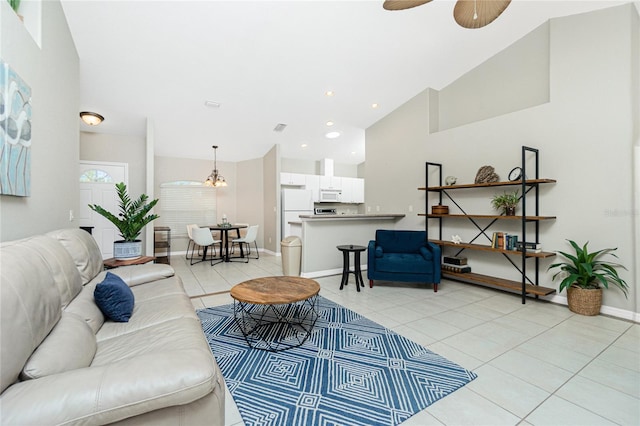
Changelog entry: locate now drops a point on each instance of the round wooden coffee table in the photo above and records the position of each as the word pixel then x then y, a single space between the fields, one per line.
pixel 276 313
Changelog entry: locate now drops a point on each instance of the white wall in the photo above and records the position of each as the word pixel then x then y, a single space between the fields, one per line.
pixel 585 134
pixel 52 72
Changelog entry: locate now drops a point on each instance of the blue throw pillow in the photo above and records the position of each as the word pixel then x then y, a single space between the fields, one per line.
pixel 114 298
pixel 379 251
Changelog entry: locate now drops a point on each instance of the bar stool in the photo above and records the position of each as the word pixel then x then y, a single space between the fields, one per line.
pixel 356 250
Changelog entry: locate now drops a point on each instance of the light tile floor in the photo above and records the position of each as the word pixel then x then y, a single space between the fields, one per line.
pixel 537 364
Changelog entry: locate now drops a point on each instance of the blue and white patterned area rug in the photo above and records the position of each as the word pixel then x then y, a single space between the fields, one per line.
pixel 351 371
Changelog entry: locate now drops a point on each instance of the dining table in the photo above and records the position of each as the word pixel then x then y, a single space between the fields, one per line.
pixel 224 230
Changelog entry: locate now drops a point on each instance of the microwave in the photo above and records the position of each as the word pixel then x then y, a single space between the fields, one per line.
pixel 329 196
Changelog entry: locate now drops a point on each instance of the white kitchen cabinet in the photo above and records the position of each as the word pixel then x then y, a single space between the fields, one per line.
pixel 352 190
pixel 330 182
pixel 293 179
pixel 312 182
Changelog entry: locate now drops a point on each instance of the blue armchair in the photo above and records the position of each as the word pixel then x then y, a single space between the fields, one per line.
pixel 404 256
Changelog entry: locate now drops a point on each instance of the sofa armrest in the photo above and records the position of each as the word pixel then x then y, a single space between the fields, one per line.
pixel 140 274
pixel 106 394
pixel 436 251
pixel 371 255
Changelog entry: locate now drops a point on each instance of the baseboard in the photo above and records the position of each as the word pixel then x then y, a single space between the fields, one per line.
pixel 327 272
pixel 606 310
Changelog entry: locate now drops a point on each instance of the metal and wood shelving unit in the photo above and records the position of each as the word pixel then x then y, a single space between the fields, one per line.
pixel 529 193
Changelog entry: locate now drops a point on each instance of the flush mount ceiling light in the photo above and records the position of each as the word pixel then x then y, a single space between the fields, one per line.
pixel 212 104
pixel 91 118
pixel 467 13
pixel 215 179
pixel 330 123
pixel 332 135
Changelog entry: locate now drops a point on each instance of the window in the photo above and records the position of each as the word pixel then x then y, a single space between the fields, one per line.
pixel 185 202
pixel 96 176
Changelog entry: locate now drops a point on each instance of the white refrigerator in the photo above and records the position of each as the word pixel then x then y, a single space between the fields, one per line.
pixel 294 203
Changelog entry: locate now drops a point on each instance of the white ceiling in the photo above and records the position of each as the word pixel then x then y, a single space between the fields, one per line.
pixel 270 62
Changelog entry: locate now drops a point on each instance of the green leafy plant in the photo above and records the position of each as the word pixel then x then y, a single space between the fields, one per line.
pixel 587 270
pixel 133 214
pixel 15 4
pixel 505 200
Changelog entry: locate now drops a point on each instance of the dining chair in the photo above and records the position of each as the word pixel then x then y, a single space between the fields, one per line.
pixel 250 237
pixel 203 238
pixel 189 228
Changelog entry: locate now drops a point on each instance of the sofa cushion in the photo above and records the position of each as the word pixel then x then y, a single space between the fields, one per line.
pixel 393 241
pixel 403 263
pixel 426 254
pixel 114 298
pixel 70 345
pixel 83 249
pixel 85 307
pixel 30 307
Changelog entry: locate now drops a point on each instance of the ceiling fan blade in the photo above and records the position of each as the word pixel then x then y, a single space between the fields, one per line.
pixel 478 13
pixel 402 4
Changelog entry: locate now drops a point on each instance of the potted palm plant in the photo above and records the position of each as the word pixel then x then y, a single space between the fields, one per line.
pixel 506 202
pixel 583 274
pixel 133 217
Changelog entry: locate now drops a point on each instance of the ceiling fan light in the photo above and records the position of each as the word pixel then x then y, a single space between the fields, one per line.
pixel 478 13
pixel 402 4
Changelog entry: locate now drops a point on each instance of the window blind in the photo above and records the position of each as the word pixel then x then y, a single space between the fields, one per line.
pixel 183 203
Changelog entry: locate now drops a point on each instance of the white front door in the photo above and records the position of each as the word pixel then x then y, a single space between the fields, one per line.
pixel 98 186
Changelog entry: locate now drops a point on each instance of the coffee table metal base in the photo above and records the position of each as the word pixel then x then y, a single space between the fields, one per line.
pixel 276 328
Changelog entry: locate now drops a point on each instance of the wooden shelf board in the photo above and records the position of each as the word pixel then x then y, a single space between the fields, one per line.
pixel 487 185
pixel 478 279
pixel 482 247
pixel 486 216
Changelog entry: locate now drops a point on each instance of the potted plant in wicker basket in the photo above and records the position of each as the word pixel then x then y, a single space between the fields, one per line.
pixel 584 274
pixel 130 222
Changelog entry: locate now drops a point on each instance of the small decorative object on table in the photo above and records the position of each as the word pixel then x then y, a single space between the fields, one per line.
pixel 456 239
pixel 450 180
pixel 486 174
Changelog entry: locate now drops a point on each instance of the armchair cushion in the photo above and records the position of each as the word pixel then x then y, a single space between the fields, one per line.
pixel 114 298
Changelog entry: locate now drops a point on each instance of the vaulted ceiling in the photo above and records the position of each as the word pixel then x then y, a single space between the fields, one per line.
pixel 271 62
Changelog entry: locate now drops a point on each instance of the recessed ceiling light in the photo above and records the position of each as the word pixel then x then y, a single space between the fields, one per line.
pixel 304 145
pixel 329 93
pixel 374 105
pixel 330 123
pixel 332 135
pixel 353 153
pixel 212 104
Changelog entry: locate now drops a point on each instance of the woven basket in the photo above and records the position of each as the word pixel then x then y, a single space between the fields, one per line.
pixel 584 301
pixel 438 209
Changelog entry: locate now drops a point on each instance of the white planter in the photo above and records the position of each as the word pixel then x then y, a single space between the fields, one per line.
pixel 127 249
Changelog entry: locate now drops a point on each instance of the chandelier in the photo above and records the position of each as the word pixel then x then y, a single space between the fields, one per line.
pixel 215 179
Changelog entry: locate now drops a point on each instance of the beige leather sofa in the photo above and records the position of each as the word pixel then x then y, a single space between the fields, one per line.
pixel 63 363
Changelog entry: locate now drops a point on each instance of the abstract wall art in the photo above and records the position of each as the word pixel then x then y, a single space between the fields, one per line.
pixel 15 133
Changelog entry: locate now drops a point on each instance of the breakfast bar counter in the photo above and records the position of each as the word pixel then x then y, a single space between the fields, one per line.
pixel 322 233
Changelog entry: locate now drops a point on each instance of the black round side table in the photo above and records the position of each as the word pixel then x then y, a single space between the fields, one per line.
pixel 356 250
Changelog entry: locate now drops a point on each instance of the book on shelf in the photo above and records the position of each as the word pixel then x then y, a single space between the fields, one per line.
pixel 532 247
pixel 456 268
pixel 504 241
pixel 455 260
